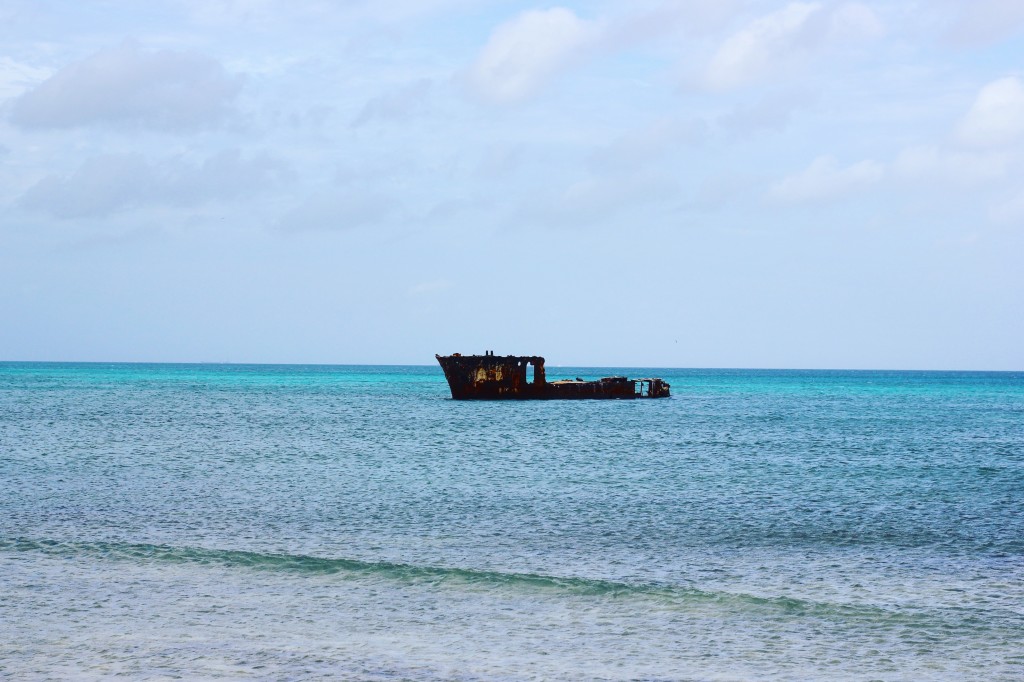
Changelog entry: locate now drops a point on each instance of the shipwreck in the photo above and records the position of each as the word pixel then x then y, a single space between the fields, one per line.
pixel 522 377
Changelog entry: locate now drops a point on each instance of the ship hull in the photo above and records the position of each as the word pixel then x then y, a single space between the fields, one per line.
pixel 516 377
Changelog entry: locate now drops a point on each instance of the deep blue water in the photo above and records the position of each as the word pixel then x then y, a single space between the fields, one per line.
pixel 209 521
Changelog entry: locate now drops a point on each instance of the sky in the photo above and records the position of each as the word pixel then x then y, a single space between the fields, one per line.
pixel 659 183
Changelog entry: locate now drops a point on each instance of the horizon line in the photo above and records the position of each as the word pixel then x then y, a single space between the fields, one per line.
pixel 368 364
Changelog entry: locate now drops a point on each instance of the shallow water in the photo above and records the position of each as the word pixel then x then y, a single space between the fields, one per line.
pixel 258 521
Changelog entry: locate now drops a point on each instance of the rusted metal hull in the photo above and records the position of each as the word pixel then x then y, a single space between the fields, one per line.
pixel 522 377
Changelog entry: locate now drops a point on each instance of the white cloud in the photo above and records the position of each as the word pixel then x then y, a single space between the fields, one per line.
pixel 932 163
pixel 826 179
pixel 775 40
pixel 129 86
pixel 753 50
pixel 111 182
pixel 16 77
pixel 997 115
pixel 526 52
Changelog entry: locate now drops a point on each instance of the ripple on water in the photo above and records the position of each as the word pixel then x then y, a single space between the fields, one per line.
pixel 209 521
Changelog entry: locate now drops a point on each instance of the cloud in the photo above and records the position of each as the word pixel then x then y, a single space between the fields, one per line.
pixel 986 21
pixel 129 86
pixel 396 104
pixel 111 182
pixel 985 135
pixel 100 186
pixel 997 115
pixel 774 40
pixel 826 179
pixel 523 54
pixel 526 53
pixel 933 163
pixel 17 77
pixel 753 50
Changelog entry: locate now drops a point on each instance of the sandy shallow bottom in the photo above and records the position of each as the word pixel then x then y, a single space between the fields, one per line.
pixel 165 618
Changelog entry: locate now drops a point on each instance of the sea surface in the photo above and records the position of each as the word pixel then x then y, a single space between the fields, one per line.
pixel 342 522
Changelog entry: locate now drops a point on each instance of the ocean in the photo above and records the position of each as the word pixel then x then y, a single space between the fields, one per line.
pixel 344 522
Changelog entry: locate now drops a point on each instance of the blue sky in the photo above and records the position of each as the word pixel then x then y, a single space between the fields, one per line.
pixel 690 183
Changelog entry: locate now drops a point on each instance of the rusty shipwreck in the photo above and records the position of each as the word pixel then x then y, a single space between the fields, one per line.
pixel 522 377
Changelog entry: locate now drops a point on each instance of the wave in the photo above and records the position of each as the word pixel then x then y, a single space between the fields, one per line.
pixel 665 595
pixel 299 563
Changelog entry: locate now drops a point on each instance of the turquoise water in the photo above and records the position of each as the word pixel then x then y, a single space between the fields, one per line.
pixel 216 521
